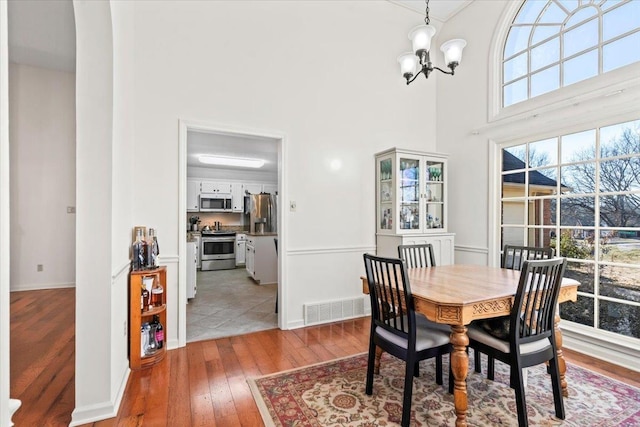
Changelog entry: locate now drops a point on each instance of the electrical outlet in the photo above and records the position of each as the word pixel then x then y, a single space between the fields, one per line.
pixel 292 206
pixel 40 267
pixel 71 209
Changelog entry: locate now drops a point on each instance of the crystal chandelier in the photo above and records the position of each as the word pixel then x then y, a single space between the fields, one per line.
pixel 420 37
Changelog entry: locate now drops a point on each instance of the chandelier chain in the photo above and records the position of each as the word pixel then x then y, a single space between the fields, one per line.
pixel 426 15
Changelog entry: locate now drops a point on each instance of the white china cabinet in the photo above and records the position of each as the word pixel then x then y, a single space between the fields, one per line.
pixel 411 202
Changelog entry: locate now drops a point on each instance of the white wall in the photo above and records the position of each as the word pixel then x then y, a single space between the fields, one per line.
pixel 122 196
pixel 42 149
pixel 462 107
pixel 300 69
pixel 4 220
pixel 98 303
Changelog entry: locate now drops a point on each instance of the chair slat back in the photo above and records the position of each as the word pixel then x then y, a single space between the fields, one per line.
pixel 533 312
pixel 417 256
pixel 391 300
pixel 513 257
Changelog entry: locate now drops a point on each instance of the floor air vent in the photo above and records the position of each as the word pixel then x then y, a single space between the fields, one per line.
pixel 333 310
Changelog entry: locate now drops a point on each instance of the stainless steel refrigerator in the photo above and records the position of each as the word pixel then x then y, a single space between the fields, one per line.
pixel 262 212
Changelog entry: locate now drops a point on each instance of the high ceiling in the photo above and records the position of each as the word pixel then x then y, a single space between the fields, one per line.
pixel 42 34
pixel 442 10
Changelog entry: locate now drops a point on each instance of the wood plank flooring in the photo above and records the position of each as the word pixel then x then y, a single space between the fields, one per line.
pixel 202 384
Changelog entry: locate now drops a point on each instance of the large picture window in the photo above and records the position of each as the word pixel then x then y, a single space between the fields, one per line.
pixel 556 43
pixel 580 193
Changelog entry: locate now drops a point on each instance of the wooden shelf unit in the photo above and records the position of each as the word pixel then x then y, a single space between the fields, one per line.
pixel 137 317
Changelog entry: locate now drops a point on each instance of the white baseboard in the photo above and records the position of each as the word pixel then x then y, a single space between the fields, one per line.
pixel 598 348
pixel 100 411
pixel 42 286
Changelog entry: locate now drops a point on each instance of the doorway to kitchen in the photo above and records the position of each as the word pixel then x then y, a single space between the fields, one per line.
pixel 231 181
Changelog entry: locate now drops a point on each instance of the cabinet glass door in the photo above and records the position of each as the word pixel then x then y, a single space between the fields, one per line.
pixel 385 177
pixel 409 193
pixel 434 194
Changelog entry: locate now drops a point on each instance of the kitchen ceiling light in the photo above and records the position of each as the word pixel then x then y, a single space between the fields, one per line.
pixel 231 161
pixel 421 40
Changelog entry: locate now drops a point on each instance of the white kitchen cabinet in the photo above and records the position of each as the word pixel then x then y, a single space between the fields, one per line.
pixel 251 188
pixel 270 188
pixel 237 198
pixel 261 259
pixel 193 195
pixel 198 239
pixel 215 187
pixel 411 202
pixel 241 249
pixel 192 286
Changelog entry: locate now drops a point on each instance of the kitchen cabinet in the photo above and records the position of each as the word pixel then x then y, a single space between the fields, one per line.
pixel 411 202
pixel 270 188
pixel 137 317
pixel 198 239
pixel 241 249
pixel 237 198
pixel 215 187
pixel 261 259
pixel 192 261
pixel 252 188
pixel 193 195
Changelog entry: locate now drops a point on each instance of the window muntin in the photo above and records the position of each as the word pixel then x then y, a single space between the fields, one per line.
pixel 556 43
pixel 580 193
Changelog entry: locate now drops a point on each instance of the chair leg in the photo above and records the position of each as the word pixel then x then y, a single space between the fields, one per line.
pixel 521 401
pixel 439 369
pixel 477 360
pixel 370 367
pixel 491 367
pixel 557 388
pixel 408 391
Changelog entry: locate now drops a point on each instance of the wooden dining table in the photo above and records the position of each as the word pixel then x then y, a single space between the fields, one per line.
pixel 458 294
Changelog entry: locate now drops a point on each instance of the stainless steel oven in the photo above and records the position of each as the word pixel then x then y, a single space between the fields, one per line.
pixel 218 251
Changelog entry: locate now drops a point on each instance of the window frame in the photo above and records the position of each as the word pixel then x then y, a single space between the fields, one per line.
pixel 591 90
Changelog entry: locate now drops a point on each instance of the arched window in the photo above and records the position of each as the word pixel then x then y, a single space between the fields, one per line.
pixel 556 43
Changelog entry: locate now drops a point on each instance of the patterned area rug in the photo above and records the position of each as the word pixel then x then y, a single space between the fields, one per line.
pixel 332 394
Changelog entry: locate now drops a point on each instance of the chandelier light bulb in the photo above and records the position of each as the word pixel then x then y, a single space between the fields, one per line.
pixel 452 50
pixel 421 36
pixel 408 62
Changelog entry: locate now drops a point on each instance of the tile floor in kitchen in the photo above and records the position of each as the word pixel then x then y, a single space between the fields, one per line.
pixel 229 302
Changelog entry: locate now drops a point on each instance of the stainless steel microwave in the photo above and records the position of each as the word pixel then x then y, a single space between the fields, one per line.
pixel 215 202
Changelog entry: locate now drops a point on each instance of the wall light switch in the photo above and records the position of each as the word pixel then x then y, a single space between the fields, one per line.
pixel 71 209
pixel 40 267
pixel 292 206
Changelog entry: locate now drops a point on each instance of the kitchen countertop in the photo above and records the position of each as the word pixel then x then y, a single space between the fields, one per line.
pixel 262 234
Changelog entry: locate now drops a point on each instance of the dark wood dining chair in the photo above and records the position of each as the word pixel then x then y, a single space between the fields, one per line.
pixel 397 329
pixel 530 338
pixel 513 257
pixel 417 256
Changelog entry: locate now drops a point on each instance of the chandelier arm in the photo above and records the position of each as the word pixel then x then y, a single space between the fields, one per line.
pixel 443 71
pixel 414 77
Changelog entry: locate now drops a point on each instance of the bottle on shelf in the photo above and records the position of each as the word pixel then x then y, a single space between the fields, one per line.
pixel 152 250
pixel 157 294
pixel 138 252
pixel 159 332
pixel 145 298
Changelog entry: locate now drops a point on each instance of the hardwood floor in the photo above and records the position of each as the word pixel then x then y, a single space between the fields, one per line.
pixel 202 384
